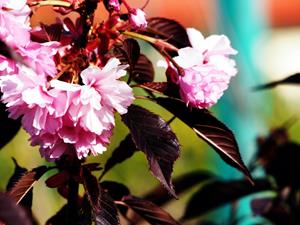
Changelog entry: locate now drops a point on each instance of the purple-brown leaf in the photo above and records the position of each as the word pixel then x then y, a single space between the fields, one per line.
pixel 128 52
pixel 293 79
pixel 260 206
pixel 58 180
pixel 103 206
pixel 149 211
pixel 159 196
pixel 91 187
pixel 158 87
pixel 18 173
pixel 210 129
pixel 164 88
pixel 26 182
pixel 143 70
pixel 116 190
pixel 107 213
pixel 12 214
pixel 62 217
pixel 140 67
pixel 169 30
pixel 155 138
pixel 217 193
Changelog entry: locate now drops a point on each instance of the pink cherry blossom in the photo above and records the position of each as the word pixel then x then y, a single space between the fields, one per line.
pixel 60 116
pixel 137 18
pixel 207 68
pixel 15 32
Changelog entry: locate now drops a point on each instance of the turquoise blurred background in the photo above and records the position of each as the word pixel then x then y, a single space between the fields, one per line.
pixel 269 49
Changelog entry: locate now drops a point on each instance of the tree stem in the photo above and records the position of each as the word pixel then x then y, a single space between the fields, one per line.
pixel 72 214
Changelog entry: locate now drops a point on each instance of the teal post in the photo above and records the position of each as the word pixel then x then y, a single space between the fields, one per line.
pixel 244 22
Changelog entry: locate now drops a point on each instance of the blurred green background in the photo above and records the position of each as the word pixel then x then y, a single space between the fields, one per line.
pixel 267 35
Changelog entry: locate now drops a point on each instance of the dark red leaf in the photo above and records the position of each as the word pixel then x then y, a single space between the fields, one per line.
pixel 260 206
pixel 267 146
pixel 103 207
pixel 53 31
pixel 63 191
pixel 208 223
pixel 107 213
pixel 293 79
pixel 155 138
pixel 159 87
pixel 217 193
pixel 128 52
pixel 281 214
pixel 284 165
pixel 124 151
pixel 91 187
pixel 149 211
pixel 116 190
pixel 26 182
pixel 9 127
pixel 169 30
pixel 62 217
pixel 18 173
pixel 210 129
pixel 159 196
pixel 58 179
pixel 143 70
pixel 47 33
pixel 140 67
pixel 73 28
pixel 12 214
pixel 93 166
pixel 164 88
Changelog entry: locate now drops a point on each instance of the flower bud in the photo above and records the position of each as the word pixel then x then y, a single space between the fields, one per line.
pixel 137 18
pixel 114 5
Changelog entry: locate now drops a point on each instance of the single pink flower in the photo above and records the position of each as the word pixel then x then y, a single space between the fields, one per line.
pixel 60 116
pixel 207 68
pixel 137 18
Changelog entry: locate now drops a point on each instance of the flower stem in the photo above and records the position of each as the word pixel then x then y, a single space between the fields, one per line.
pixel 52 3
pixel 179 69
pixel 157 42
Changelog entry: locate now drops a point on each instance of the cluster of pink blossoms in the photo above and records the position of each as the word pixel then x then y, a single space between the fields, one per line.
pixel 62 117
pixel 207 69
pixel 59 116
